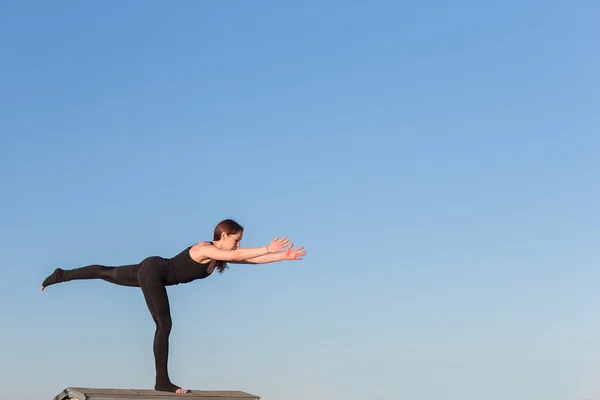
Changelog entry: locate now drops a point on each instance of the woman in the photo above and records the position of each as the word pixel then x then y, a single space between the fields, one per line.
pixel 199 261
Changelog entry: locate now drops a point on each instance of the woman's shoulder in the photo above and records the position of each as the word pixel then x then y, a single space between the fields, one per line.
pixel 201 244
pixel 196 250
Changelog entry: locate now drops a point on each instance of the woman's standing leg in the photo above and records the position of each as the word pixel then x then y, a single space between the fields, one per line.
pixel 155 294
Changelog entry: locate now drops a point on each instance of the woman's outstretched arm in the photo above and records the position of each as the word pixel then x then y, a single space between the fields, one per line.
pixel 213 252
pixel 286 254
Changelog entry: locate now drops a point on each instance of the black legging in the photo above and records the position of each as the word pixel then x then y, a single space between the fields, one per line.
pixel 151 281
pixel 149 276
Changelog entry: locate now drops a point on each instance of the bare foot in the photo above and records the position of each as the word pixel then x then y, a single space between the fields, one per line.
pixel 169 387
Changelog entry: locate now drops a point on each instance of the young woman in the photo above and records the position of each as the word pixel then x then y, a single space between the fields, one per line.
pixel 199 261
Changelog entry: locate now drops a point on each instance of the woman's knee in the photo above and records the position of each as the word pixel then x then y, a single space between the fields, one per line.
pixel 164 325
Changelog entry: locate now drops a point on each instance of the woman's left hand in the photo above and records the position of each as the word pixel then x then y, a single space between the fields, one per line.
pixel 294 254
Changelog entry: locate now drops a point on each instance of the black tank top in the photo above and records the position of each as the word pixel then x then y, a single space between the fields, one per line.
pixel 183 269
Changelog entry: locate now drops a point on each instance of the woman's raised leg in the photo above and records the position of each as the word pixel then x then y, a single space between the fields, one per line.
pixel 124 275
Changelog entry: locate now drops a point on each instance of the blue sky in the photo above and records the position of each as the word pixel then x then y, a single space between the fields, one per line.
pixel 438 162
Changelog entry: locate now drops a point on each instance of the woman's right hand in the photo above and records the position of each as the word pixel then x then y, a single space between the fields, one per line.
pixel 278 245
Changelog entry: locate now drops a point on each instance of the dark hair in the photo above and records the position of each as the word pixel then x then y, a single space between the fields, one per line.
pixel 229 227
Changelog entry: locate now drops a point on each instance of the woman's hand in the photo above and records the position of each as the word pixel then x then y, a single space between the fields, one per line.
pixel 294 254
pixel 278 245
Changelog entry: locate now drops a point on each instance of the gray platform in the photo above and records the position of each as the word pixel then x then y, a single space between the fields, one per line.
pixel 77 393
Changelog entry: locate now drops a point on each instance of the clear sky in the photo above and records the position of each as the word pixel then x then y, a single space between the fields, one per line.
pixel 438 161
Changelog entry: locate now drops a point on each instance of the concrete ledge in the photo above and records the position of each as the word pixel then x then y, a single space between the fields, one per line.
pixel 77 393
